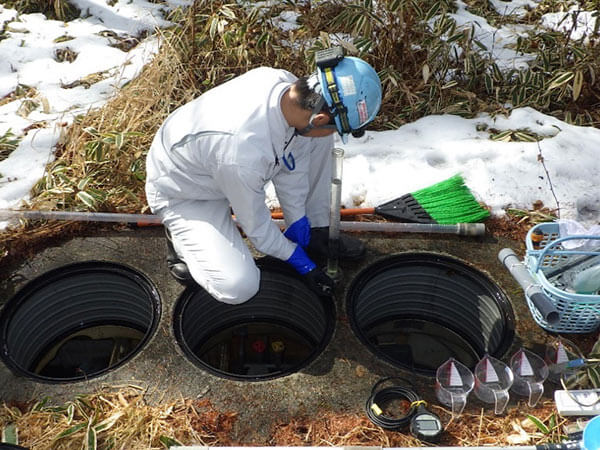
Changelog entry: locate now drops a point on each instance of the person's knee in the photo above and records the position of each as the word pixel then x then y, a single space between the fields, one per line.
pixel 237 287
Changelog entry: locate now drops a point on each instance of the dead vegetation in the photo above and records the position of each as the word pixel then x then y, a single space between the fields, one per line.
pixel 119 417
pixel 116 417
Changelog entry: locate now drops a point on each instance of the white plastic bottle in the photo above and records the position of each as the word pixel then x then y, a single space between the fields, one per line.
pixel 587 281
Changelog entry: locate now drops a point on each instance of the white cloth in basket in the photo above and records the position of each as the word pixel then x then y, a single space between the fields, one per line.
pixel 574 228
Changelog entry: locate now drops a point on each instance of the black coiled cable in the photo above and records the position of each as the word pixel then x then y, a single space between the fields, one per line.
pixel 387 394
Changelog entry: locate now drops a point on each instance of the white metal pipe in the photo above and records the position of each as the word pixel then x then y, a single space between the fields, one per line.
pixel 465 229
pixel 534 291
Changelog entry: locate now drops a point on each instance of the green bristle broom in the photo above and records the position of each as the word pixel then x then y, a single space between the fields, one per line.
pixel 447 202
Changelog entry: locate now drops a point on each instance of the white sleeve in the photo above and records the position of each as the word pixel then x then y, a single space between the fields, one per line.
pixel 244 187
pixel 292 186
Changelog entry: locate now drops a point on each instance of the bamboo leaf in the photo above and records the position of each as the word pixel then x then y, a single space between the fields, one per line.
pixel 497 73
pixel 83 183
pixel 504 136
pixel 227 12
pixel 560 79
pixel 212 29
pixel 432 11
pixel 168 441
pixel 70 413
pixel 40 405
pixel 91 441
pixel 539 424
pixel 349 46
pixel 455 37
pixel 579 52
pixel 69 431
pixel 480 45
pixel 119 140
pixel 86 198
pixel 594 377
pixel 524 137
pixel 417 7
pixel 426 72
pixel 489 83
pixel 109 422
pixel 577 84
pixel 450 84
pixel 10 434
pixel 394 5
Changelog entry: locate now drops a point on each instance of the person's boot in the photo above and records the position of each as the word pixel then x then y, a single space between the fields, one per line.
pixel 178 268
pixel 351 248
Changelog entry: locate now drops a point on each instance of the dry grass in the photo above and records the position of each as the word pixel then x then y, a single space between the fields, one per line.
pixel 100 163
pixel 102 157
pixel 468 429
pixel 117 418
pixel 120 418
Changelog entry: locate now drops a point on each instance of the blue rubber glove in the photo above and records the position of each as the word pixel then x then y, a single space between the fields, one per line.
pixel 317 280
pixel 300 261
pixel 299 232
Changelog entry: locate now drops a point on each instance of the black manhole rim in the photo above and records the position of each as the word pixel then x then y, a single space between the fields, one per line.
pixel 406 259
pixel 273 268
pixel 119 272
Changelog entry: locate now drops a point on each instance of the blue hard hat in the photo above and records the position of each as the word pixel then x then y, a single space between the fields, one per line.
pixel 352 90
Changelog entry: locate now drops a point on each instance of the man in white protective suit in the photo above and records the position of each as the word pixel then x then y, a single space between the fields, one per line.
pixel 216 154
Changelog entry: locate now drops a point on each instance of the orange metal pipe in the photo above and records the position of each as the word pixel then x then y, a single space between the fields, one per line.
pixel 343 212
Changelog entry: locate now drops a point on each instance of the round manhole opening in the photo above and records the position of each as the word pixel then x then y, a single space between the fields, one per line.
pixel 279 331
pixel 416 310
pixel 78 321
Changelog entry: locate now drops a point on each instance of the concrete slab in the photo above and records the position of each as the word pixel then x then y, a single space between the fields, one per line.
pixel 340 379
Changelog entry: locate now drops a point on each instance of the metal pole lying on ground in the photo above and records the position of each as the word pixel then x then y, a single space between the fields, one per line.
pixel 464 229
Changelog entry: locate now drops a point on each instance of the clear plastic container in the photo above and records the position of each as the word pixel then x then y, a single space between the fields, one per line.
pixel 453 383
pixel 493 379
pixel 587 281
pixel 530 371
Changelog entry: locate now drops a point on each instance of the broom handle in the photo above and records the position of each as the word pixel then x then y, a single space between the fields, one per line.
pixel 343 212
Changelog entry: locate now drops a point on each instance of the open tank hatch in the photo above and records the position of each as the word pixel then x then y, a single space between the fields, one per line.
pixel 78 321
pixel 279 331
pixel 416 310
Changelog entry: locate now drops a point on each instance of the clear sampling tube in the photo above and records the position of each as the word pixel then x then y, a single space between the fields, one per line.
pixel 334 213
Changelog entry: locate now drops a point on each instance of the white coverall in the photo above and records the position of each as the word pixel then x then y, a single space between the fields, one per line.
pixel 220 150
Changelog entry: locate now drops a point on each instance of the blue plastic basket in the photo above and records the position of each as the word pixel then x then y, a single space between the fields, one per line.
pixel 548 264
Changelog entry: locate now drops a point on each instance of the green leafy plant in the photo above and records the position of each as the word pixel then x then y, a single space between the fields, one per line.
pixel 89 184
pixel 549 427
pixel 588 377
